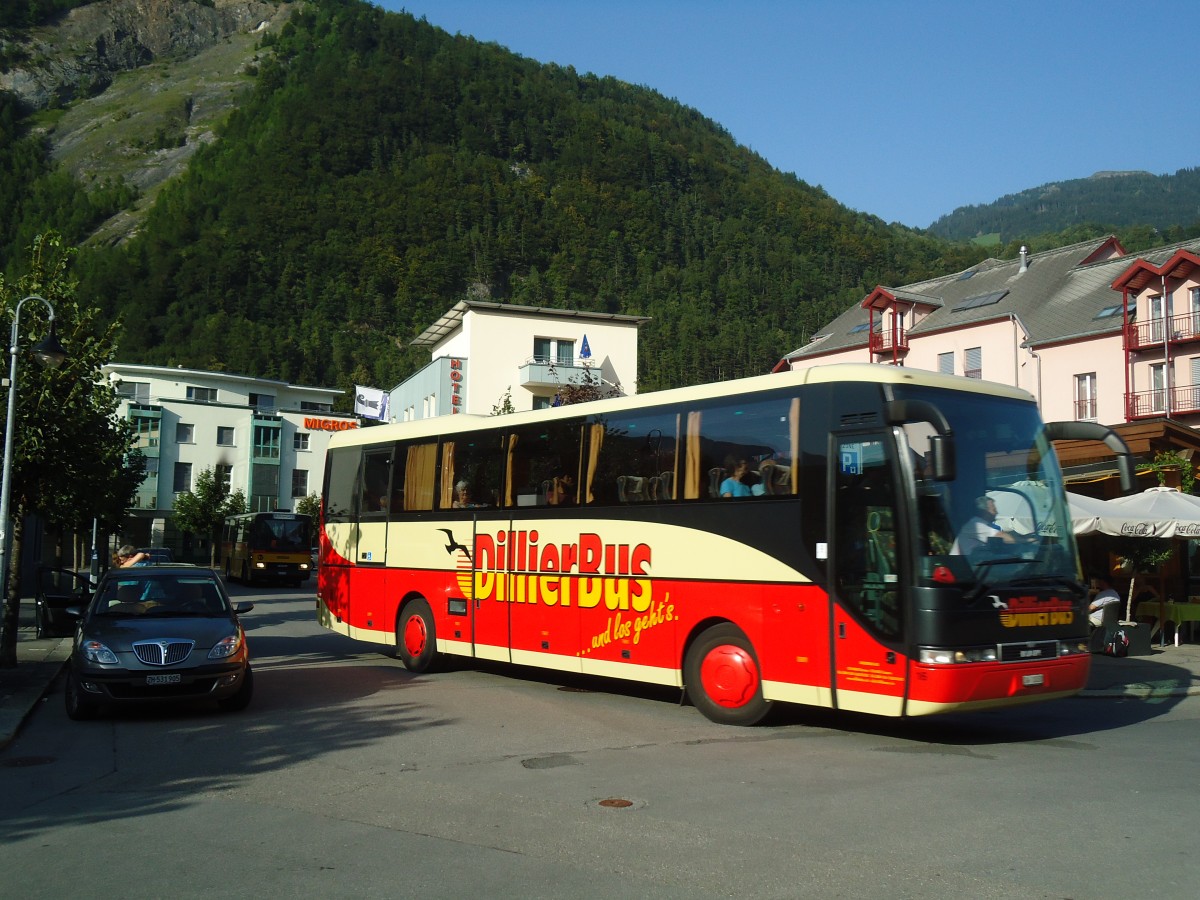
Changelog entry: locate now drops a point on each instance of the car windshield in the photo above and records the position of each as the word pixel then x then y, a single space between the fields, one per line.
pixel 162 596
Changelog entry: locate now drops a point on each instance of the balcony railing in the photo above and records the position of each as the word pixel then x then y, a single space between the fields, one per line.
pixel 1085 410
pixel 549 373
pixel 1176 330
pixel 886 341
pixel 1148 404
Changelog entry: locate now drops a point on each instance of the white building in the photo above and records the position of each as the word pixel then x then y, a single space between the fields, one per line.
pixel 483 351
pixel 267 438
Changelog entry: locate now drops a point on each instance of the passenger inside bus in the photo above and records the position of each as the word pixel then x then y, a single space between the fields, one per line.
pixel 736 484
pixel 462 497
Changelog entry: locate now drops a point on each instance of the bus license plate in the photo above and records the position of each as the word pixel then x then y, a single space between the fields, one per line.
pixel 168 679
pixel 1033 680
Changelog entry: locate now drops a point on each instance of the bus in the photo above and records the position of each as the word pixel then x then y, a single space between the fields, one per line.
pixel 267 546
pixel 599 539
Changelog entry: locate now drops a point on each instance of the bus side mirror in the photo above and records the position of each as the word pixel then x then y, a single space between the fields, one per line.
pixel 941 449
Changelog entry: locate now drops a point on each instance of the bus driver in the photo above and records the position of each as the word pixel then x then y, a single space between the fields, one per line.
pixel 981 528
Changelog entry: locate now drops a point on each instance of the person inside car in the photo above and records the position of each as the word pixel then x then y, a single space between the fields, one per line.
pixel 127 557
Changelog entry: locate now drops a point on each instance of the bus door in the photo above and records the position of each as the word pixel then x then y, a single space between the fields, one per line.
pixel 373 508
pixel 488 598
pixel 869 672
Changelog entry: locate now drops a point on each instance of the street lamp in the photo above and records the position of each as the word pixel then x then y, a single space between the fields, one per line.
pixel 50 353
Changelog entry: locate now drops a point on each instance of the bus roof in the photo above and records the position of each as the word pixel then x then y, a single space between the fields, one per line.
pixel 844 372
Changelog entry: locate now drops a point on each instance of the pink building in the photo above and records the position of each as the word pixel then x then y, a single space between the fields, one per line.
pixel 1093 333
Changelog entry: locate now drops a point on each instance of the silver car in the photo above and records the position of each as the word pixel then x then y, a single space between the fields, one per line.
pixel 159 633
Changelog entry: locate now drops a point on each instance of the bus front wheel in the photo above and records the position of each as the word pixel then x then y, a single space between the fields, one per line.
pixel 416 643
pixel 723 679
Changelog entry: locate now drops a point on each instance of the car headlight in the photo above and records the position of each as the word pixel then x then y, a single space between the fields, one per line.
pixel 96 652
pixel 225 647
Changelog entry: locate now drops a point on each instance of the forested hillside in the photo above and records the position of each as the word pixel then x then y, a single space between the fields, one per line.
pixel 382 169
pixel 1111 200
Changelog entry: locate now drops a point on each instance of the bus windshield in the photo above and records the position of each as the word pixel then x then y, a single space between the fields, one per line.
pixel 277 533
pixel 1003 518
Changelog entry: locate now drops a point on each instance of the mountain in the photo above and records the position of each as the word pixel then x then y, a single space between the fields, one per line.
pixel 1114 200
pixel 297 190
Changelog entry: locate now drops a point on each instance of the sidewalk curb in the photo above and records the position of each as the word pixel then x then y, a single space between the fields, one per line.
pixel 37 671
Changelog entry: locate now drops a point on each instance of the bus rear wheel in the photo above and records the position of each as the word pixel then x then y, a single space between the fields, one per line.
pixel 723 679
pixel 416 642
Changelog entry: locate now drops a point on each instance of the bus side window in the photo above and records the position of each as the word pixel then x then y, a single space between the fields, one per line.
pixel 478 461
pixel 341 475
pixel 376 487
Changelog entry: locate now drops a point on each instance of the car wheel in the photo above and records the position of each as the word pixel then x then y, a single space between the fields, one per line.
pixel 416 643
pixel 723 679
pixel 80 706
pixel 239 701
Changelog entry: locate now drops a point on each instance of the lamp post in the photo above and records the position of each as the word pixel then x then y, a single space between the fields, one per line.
pixel 50 353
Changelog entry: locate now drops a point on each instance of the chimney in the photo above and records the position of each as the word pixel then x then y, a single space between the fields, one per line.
pixel 1024 260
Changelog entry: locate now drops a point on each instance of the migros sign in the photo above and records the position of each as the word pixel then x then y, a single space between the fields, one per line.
pixel 313 424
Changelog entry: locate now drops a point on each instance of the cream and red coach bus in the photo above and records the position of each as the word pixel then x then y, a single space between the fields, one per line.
pixel 787 538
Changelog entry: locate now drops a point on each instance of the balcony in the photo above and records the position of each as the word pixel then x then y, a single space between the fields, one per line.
pixel 545 373
pixel 885 342
pixel 1183 329
pixel 1153 403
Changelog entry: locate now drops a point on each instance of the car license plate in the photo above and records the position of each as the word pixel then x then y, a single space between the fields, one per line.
pixel 163 679
pixel 1033 680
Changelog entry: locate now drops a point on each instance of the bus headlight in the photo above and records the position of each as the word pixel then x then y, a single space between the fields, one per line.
pixel 945 657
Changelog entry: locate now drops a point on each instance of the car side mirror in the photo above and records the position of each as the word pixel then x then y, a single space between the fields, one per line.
pixel 243 608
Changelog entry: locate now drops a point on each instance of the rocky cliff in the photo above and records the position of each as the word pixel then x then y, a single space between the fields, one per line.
pixel 129 89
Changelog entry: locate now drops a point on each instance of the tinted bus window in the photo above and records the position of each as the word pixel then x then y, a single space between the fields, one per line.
pixel 754 443
pixel 543 465
pixel 632 458
pixel 471 471
pixel 340 484
pixel 376 481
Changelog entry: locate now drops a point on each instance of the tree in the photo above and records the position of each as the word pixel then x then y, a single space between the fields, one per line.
pixel 71 456
pixel 584 387
pixel 203 511
pixel 310 506
pixel 504 405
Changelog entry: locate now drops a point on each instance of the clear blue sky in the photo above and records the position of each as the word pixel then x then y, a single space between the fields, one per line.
pixel 906 110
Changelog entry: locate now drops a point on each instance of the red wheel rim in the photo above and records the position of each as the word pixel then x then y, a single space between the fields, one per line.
pixel 415 635
pixel 729 676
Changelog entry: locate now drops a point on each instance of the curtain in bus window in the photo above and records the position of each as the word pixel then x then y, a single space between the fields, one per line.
pixel 513 440
pixel 794 437
pixel 446 500
pixel 419 471
pixel 594 445
pixel 691 485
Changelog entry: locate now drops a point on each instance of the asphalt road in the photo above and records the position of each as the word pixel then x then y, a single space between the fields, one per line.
pixel 347 777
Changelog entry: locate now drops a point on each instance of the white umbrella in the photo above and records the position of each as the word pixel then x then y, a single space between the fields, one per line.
pixel 1158 512
pixel 1017 506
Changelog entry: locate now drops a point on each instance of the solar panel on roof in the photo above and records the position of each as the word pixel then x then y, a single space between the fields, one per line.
pixel 980 300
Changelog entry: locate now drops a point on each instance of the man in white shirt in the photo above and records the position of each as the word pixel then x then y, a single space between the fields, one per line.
pixel 1105 594
pixel 980 529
